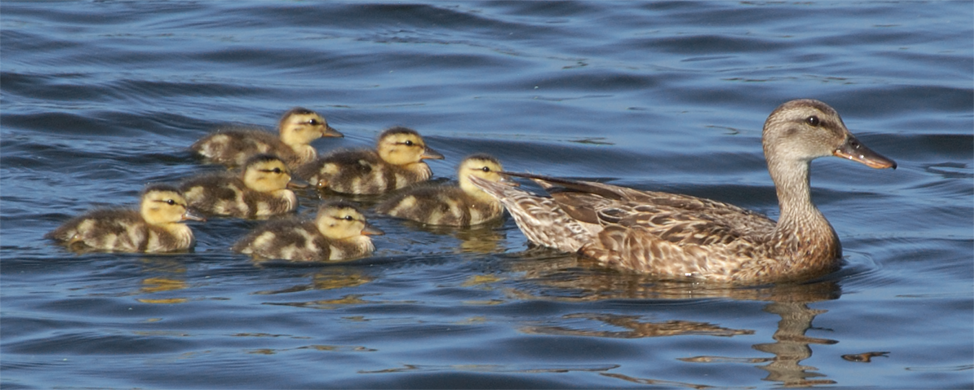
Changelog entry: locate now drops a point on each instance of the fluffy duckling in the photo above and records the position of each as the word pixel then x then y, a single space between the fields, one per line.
pixel 298 127
pixel 455 206
pixel 339 232
pixel 396 163
pixel 259 191
pixel 155 227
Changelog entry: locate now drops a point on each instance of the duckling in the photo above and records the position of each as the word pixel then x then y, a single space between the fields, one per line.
pixel 396 163
pixel 684 237
pixel 154 228
pixel 298 127
pixel 455 206
pixel 339 232
pixel 259 191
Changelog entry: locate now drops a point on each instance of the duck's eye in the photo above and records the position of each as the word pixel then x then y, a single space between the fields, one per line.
pixel 812 120
pixel 170 202
pixel 276 170
pixel 485 169
pixel 408 143
pixel 313 122
pixel 348 218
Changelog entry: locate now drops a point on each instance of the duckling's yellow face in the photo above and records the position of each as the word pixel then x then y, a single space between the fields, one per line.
pixel 483 167
pixel 266 175
pixel 404 148
pixel 342 222
pixel 164 207
pixel 302 128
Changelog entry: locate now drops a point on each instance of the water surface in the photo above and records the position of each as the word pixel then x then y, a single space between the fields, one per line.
pixel 100 98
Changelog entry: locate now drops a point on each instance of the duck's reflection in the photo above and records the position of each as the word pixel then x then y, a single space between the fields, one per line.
pixel 586 282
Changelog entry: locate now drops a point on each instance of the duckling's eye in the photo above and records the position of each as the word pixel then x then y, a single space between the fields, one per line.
pixel 170 202
pixel 485 169
pixel 348 218
pixel 313 122
pixel 408 143
pixel 276 170
pixel 812 120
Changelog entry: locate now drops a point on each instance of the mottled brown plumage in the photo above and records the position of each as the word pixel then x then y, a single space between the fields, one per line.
pixel 339 232
pixel 155 227
pixel 681 236
pixel 296 129
pixel 395 164
pixel 259 190
pixel 464 205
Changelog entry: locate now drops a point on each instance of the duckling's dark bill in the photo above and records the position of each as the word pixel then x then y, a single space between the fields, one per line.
pixel 854 150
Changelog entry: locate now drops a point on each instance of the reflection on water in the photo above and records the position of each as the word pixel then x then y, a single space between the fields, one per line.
pixel 790 301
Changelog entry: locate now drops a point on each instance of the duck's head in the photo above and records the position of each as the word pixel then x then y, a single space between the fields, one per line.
pixel 805 129
pixel 401 146
pixel 164 204
pixel 341 220
pixel 300 126
pixel 267 173
pixel 483 166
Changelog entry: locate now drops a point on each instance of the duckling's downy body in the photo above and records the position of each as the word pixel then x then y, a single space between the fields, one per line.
pixel 155 227
pixel 447 205
pixel 297 128
pixel 339 232
pixel 259 191
pixel 395 164
pixel 681 236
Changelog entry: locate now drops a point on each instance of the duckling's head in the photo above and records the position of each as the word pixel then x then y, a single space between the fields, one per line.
pixel 300 126
pixel 164 204
pixel 483 166
pixel 266 173
pixel 805 129
pixel 341 220
pixel 401 146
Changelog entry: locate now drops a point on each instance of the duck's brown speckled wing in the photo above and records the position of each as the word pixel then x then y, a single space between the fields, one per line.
pixel 661 233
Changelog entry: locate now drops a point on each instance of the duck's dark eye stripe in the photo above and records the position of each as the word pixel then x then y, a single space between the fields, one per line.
pixel 812 120
pixel 275 170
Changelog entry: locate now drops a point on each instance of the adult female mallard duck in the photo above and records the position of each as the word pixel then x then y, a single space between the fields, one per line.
pixel 339 232
pixel 685 237
pixel 447 205
pixel 155 227
pixel 397 162
pixel 298 127
pixel 260 190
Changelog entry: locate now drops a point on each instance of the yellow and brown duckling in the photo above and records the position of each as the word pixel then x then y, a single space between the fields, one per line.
pixel 155 227
pixel 259 190
pixel 298 128
pixel 396 163
pixel 339 232
pixel 455 206
pixel 685 237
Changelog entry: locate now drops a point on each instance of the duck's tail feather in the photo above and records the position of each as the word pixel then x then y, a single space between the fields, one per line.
pixel 540 218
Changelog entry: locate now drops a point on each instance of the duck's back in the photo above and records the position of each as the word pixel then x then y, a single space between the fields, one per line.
pixel 361 172
pixel 224 194
pixel 120 230
pixel 300 241
pixel 440 206
pixel 234 147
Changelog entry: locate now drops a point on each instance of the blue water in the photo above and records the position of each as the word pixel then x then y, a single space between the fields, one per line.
pixel 100 98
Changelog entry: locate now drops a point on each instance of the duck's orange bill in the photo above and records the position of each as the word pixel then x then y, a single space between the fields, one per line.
pixel 854 150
